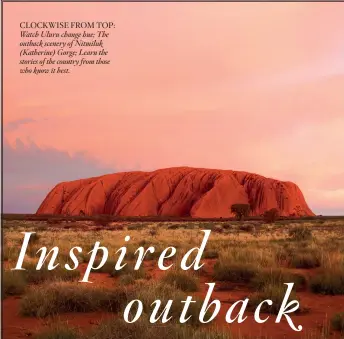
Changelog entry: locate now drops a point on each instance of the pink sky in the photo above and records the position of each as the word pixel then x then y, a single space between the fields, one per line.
pixel 247 86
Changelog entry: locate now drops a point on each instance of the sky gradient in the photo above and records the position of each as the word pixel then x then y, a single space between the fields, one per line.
pixel 257 87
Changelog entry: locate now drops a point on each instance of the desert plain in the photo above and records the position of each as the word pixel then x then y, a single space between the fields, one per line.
pixel 245 259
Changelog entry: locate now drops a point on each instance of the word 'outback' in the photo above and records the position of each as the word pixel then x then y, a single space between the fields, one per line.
pixel 214 306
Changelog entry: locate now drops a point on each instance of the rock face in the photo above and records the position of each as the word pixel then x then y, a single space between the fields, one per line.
pixel 180 191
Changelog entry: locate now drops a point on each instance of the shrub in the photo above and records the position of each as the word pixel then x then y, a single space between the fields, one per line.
pixel 32 250
pixel 176 226
pixel 337 322
pixel 129 270
pixel 153 231
pixel 58 331
pixel 181 280
pixel 328 282
pixel 126 279
pixel 245 255
pixel 240 210
pixel 60 297
pixel 13 282
pixel 117 326
pixel 108 267
pixel 211 254
pixel 54 221
pixel 143 329
pixel 305 259
pixel 104 223
pixel 10 253
pixel 207 226
pixel 218 229
pixel 148 293
pixel 277 277
pixel 34 238
pixel 136 227
pixel 102 220
pixel 238 273
pixel 271 215
pixel 275 293
pixel 247 228
pixel 34 276
pixel 155 254
pixel 227 226
pixel 300 233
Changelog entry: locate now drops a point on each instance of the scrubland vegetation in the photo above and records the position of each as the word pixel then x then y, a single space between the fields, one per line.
pixel 255 257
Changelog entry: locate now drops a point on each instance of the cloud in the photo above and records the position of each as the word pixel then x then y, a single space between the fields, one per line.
pixel 30 172
pixel 13 125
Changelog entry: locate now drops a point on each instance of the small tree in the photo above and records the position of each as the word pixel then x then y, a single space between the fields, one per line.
pixel 241 211
pixel 271 215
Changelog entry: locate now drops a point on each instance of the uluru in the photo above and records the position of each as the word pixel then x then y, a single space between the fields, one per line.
pixel 174 192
